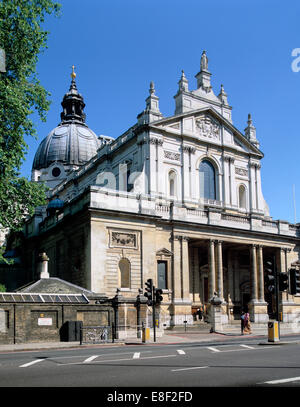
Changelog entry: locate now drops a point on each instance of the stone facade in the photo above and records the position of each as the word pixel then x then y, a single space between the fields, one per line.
pixel 178 200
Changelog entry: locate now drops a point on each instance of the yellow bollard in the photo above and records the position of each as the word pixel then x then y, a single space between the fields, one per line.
pixel 273 331
pixel 145 334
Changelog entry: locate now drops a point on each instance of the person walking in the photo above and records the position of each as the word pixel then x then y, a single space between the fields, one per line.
pixel 242 322
pixel 247 325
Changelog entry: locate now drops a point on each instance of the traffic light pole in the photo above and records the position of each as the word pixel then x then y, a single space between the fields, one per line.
pixel 153 314
pixel 277 295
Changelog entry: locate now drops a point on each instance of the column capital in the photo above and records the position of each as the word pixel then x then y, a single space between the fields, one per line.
pixel 181 238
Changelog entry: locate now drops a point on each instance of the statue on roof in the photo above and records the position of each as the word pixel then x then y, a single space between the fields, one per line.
pixel 204 62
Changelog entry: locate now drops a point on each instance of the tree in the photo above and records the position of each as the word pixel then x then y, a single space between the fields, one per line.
pixel 22 38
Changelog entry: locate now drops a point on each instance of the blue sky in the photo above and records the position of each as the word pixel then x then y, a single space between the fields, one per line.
pixel 119 46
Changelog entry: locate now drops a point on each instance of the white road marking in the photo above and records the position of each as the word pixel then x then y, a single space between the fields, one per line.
pixel 248 347
pixel 90 359
pixel 291 379
pixel 32 363
pixel 119 360
pixel 181 352
pixel 136 355
pixel 213 349
pixel 189 368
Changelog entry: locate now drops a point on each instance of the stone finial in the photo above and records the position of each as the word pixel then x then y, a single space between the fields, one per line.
pixel 223 96
pixel 183 82
pixel 152 89
pixel 249 119
pixel 250 132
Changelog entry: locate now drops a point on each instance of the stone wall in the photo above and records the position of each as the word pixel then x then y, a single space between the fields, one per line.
pixel 21 323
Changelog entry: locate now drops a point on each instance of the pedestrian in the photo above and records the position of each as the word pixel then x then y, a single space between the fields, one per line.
pixel 199 313
pixel 247 326
pixel 242 322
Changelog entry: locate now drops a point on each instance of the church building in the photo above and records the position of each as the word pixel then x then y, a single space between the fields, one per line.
pixel 176 199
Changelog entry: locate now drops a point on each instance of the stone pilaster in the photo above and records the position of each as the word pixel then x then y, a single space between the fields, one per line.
pixel 261 293
pixel 220 269
pixel 212 270
pixel 253 273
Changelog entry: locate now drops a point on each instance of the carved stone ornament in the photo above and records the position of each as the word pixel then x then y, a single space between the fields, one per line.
pixel 241 171
pixel 207 127
pixel 171 155
pixel 123 239
pixel 156 141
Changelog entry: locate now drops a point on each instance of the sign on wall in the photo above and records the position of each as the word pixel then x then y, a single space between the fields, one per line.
pixel 44 321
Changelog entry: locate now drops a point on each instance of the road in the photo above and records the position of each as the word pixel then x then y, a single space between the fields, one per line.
pixel 235 364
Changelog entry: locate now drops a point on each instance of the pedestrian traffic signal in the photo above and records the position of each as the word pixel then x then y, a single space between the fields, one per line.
pixel 294 281
pixel 270 277
pixel 283 281
pixel 149 291
pixel 158 295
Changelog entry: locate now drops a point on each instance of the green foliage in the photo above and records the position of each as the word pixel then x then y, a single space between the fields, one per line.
pixel 2 288
pixel 23 38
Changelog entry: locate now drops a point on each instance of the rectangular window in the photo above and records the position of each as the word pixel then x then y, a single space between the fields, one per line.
pixel 162 275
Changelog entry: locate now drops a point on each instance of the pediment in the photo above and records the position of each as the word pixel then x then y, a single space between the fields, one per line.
pixel 208 125
pixel 164 252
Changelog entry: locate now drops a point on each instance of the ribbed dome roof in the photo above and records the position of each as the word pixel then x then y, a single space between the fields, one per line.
pixel 70 144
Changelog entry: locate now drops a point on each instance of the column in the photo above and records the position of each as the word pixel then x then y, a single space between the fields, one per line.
pixel 234 199
pixel 220 269
pixel 230 278
pixel 185 273
pixel 176 268
pixel 226 183
pixel 253 273
pixel 159 166
pixel 237 295
pixel 197 296
pixel 212 271
pixel 153 165
pixel 261 274
pixel 252 191
pixel 185 173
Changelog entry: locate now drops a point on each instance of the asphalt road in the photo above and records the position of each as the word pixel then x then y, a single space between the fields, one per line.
pixel 179 366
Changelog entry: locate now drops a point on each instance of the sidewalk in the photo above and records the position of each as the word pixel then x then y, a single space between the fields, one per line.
pixel 169 337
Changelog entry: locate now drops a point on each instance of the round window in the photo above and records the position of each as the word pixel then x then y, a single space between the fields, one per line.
pixel 56 172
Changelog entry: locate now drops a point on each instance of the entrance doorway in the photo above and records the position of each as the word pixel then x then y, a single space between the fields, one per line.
pixel 245 301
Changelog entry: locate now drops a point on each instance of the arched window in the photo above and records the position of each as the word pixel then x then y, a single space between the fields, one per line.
pixel 207 180
pixel 242 197
pixel 172 183
pixel 124 273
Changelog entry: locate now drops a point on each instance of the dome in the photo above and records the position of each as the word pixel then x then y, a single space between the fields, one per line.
pixel 69 144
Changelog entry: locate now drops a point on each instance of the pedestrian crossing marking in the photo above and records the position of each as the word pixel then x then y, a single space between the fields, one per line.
pixel 213 349
pixel 90 359
pixel 291 379
pixel 136 355
pixel 33 362
pixel 181 352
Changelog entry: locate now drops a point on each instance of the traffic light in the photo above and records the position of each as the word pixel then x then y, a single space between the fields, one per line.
pixel 270 277
pixel 158 295
pixel 283 281
pixel 294 281
pixel 149 291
